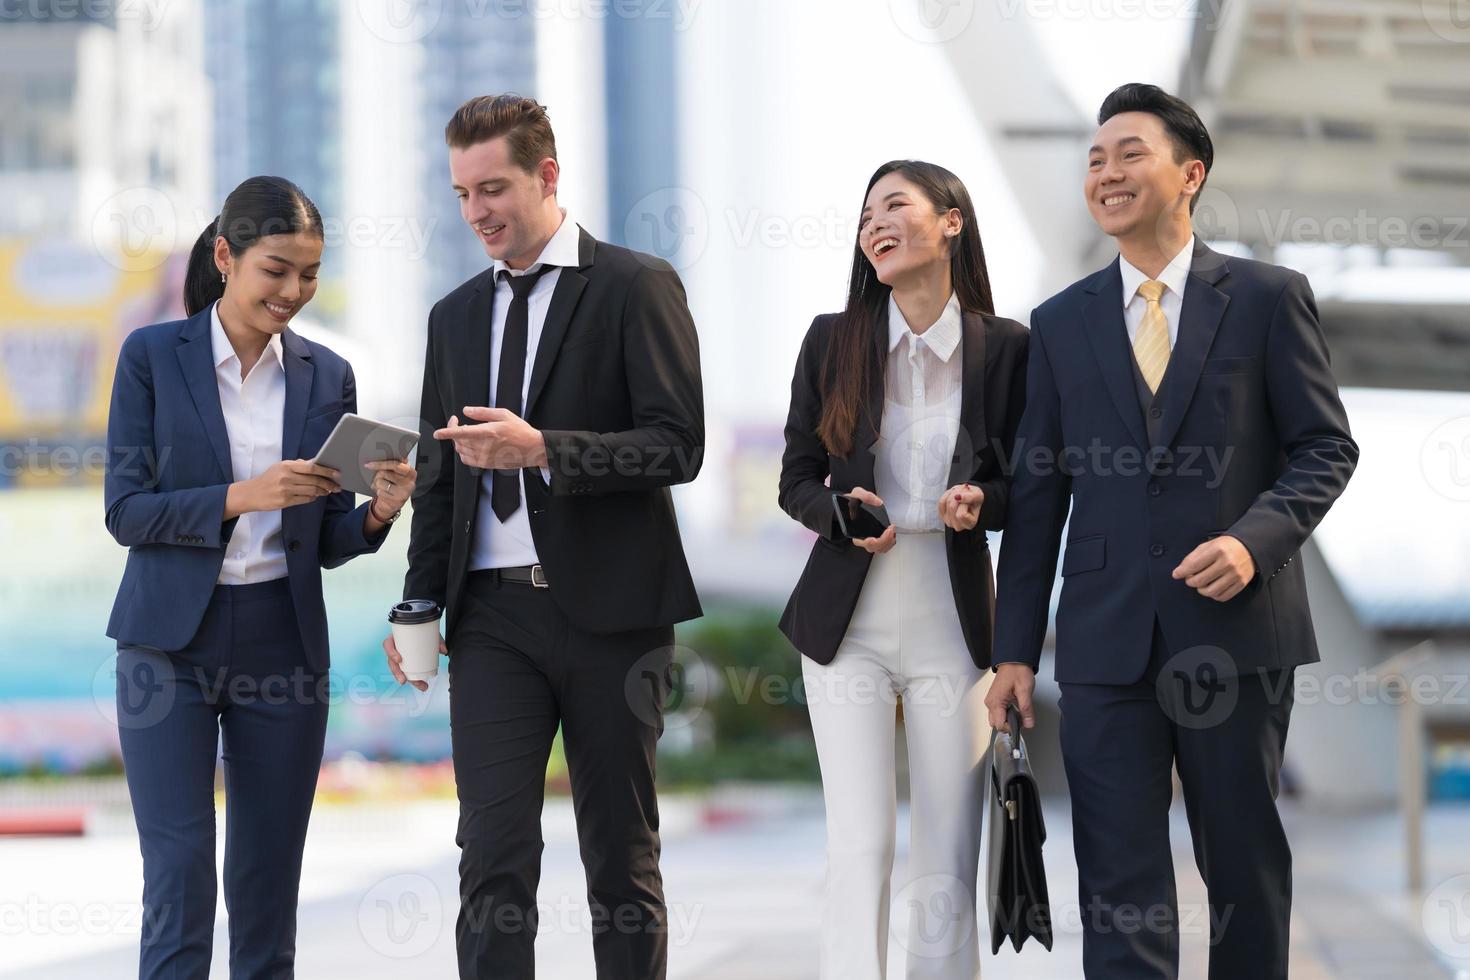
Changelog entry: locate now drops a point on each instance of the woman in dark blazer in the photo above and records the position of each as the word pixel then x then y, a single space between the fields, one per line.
pixel 908 398
pixel 219 620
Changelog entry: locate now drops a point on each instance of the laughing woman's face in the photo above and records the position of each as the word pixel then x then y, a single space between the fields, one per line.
pixel 900 231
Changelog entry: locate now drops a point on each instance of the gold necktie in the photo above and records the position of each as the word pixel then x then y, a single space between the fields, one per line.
pixel 1151 342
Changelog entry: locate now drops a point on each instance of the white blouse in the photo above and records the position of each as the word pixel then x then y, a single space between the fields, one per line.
pixel 921 417
pixel 254 409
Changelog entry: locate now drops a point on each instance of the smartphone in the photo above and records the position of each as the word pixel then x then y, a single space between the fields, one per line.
pixel 856 519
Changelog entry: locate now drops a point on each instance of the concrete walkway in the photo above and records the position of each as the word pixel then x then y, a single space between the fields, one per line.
pixel 379 898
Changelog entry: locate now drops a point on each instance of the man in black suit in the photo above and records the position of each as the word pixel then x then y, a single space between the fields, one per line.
pixel 1183 403
pixel 561 400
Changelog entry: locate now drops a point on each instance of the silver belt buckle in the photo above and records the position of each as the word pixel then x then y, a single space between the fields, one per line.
pixel 538 578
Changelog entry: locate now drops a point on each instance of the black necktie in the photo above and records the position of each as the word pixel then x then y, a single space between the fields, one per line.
pixel 505 485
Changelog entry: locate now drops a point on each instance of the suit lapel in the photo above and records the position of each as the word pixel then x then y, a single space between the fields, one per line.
pixel 569 286
pixel 196 360
pixel 971 438
pixel 1107 333
pixel 865 464
pixel 1199 318
pixel 296 359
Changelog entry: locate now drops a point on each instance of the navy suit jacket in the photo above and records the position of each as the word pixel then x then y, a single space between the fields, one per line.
pixel 1254 443
pixel 168 468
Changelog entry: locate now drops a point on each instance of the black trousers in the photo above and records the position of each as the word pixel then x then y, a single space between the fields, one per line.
pixel 1225 735
pixel 518 669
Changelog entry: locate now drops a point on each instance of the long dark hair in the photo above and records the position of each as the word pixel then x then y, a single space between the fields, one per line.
pixel 854 362
pixel 259 207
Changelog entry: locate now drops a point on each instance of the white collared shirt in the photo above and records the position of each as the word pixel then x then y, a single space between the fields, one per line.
pixel 254 411
pixel 498 545
pixel 922 384
pixel 1174 277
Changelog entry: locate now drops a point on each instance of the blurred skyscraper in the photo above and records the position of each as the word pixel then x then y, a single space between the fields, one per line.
pixel 276 65
pixel 642 128
pixel 104 136
pixel 95 103
pixel 467 54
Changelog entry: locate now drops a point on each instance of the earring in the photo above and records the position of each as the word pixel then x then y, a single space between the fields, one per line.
pixel 221 277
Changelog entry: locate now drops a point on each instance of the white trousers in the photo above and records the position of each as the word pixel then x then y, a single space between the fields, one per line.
pixel 904 641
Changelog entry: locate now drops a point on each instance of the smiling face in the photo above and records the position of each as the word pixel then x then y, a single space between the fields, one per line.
pixel 1134 182
pixel 900 232
pixel 269 282
pixel 513 212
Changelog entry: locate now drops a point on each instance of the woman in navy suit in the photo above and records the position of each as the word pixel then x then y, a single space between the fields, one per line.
pixel 219 620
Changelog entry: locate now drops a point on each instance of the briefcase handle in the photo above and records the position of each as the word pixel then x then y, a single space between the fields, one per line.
pixel 1013 721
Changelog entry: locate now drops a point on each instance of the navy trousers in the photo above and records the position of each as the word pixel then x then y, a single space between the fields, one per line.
pixel 244 677
pixel 1225 734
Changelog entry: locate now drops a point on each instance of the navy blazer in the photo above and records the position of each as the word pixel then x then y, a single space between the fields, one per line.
pixel 1254 442
pixel 168 469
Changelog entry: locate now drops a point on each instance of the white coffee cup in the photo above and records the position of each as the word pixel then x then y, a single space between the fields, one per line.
pixel 415 625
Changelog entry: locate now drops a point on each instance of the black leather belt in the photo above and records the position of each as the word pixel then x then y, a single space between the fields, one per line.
pixel 531 575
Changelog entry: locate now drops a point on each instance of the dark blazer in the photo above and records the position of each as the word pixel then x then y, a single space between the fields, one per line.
pixel 168 469
pixel 615 388
pixel 994 392
pixel 1254 443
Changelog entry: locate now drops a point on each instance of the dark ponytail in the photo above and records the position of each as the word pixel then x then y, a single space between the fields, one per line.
pixel 203 283
pixel 259 207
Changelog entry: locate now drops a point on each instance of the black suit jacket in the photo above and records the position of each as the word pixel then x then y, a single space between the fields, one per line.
pixel 1253 443
pixel 994 351
pixel 615 388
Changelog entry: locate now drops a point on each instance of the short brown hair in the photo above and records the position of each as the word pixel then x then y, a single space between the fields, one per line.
pixel 521 121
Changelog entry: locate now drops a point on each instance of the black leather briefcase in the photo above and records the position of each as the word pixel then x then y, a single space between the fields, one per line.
pixel 1016 877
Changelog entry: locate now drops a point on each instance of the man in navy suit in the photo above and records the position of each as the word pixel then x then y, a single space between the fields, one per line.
pixel 1183 403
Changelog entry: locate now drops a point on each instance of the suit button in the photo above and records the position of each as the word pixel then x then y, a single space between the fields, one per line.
pixel 466 527
pixel 294 546
pixel 1154 489
pixel 1157 550
pixel 1154 413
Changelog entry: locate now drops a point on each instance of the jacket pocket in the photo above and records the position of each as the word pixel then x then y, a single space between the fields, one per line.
pixel 1228 365
pixel 1085 554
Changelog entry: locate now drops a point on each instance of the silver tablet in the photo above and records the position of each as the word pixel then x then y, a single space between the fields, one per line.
pixel 356 441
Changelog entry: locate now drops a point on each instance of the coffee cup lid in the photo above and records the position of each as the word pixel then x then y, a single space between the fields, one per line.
pixel 413 611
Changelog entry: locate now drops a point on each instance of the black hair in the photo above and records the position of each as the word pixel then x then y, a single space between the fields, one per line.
pixel 1184 126
pixel 259 207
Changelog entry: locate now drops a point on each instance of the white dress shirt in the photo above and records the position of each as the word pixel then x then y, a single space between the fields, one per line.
pixel 922 386
pixel 254 419
pixel 498 545
pixel 1174 277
